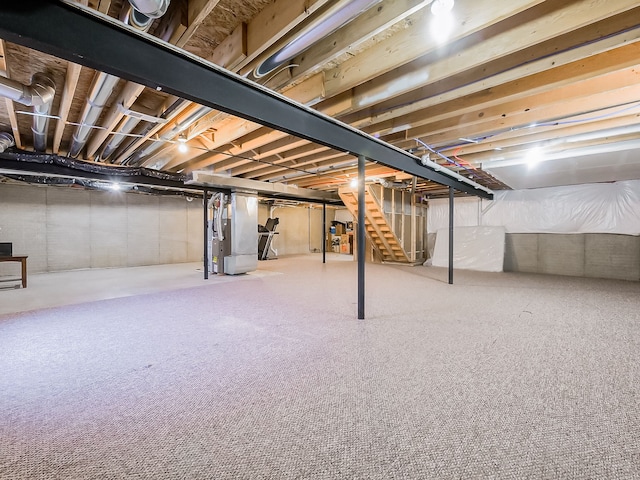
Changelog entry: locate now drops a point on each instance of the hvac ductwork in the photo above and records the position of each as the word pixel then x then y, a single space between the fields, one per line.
pixel 38 95
pixel 196 115
pixel 6 141
pixel 151 8
pixel 103 86
pixel 140 15
pixel 133 17
pixel 128 127
pixel 340 14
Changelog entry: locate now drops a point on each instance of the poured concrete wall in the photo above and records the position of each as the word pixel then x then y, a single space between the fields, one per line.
pixel 584 255
pixel 63 228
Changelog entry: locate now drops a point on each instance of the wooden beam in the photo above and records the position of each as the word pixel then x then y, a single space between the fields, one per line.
pixel 269 172
pixel 129 94
pixel 412 42
pixel 103 6
pixel 68 92
pixel 223 162
pixel 197 12
pixel 347 39
pixel 605 36
pixel 543 24
pixel 232 50
pixel 495 117
pixel 279 147
pixel 309 92
pixel 275 21
pixel 174 23
pixel 13 119
pixel 295 153
pixel 139 142
pixel 233 128
pixel 549 113
pixel 544 134
pixel 592 75
pixel 611 143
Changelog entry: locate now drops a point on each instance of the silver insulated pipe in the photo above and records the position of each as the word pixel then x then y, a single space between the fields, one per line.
pixel 103 86
pixel 151 8
pixel 6 141
pixel 153 147
pixel 46 88
pixel 38 95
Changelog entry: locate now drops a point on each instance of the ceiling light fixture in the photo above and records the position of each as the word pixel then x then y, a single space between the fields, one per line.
pixel 442 22
pixel 353 183
pixel 182 144
pixel 441 7
pixel 533 157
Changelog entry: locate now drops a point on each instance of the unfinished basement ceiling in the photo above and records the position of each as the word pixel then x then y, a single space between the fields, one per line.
pixel 506 88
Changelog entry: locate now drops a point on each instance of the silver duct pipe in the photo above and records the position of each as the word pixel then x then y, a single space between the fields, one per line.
pixel 118 138
pixel 340 14
pixel 38 95
pixel 103 86
pixel 45 86
pixel 139 14
pixel 196 115
pixel 6 141
pixel 133 17
pixel 146 128
pixel 132 120
pixel 151 8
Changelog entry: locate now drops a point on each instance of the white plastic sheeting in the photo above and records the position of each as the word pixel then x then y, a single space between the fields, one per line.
pixel 474 248
pixel 591 208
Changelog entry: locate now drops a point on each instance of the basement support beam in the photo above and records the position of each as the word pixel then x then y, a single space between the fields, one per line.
pixel 117 51
pixel 451 192
pixel 360 239
pixel 324 233
pixel 205 250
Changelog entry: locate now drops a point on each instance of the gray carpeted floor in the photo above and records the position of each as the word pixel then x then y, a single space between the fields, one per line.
pixel 271 377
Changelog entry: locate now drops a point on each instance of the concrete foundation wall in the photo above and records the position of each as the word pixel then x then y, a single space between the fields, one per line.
pixel 300 228
pixel 63 228
pixel 584 255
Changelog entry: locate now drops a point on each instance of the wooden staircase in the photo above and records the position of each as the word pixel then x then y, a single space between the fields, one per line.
pixel 380 233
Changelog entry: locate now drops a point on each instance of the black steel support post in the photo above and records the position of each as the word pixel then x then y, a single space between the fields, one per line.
pixel 360 240
pixel 205 255
pixel 451 191
pixel 324 233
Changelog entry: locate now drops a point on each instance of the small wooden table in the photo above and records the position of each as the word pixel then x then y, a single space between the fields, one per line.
pixel 23 260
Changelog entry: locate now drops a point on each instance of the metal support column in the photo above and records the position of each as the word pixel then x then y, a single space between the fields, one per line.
pixel 451 191
pixel 324 233
pixel 360 239
pixel 205 210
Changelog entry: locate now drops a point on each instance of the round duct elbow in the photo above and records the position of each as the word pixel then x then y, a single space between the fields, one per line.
pixel 43 89
pixel 137 20
pixel 6 141
pixel 151 8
